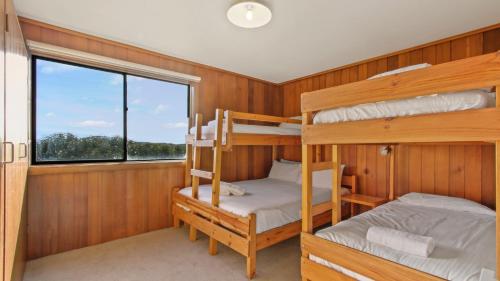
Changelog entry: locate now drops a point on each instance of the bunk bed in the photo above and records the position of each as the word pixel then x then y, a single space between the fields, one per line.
pixel 332 117
pixel 269 212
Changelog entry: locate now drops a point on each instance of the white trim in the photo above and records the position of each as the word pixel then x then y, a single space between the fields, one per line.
pixel 56 52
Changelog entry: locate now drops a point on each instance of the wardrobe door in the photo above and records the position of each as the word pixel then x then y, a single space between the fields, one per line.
pixel 16 134
pixel 2 137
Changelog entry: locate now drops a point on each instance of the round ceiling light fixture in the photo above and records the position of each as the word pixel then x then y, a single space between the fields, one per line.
pixel 249 14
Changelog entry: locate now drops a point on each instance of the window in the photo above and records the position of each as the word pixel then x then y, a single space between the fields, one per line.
pixel 80 115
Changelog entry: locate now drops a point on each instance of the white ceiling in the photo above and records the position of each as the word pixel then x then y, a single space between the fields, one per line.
pixel 303 37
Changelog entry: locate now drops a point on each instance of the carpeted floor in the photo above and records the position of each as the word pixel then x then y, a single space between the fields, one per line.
pixel 164 255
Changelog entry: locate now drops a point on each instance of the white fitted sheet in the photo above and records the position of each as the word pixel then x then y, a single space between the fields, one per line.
pixel 275 202
pixel 446 102
pixel 209 130
pixel 465 242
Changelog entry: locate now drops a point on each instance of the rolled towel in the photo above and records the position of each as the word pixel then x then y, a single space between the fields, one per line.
pixel 401 241
pixel 232 188
pixel 224 189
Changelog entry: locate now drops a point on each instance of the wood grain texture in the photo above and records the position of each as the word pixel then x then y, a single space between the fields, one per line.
pixel 440 169
pixel 74 210
pixel 112 202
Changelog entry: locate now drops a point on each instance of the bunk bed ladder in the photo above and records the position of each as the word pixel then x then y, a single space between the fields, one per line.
pixel 194 171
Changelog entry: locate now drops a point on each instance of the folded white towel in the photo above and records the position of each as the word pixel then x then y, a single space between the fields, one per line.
pixel 487 275
pixel 401 241
pixel 227 188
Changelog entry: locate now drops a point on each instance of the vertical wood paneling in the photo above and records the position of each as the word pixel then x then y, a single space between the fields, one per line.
pixel 464 171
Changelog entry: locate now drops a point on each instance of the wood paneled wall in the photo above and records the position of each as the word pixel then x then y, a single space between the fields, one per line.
pixel 456 170
pixel 74 209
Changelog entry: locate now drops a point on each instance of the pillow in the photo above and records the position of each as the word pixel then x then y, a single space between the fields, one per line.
pixel 445 202
pixel 323 178
pixel 290 125
pixel 284 171
pixel 401 70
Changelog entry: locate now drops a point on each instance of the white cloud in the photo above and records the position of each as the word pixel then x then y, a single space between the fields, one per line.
pixel 160 108
pixel 96 124
pixel 50 114
pixel 134 78
pixel 57 68
pixel 176 125
pixel 137 101
pixel 116 80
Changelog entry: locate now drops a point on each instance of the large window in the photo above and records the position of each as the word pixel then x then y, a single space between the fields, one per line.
pixel 84 114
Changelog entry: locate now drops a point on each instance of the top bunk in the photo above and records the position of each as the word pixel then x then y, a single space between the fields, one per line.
pixel 237 130
pixel 450 102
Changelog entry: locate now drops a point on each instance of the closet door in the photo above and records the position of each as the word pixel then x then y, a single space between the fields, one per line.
pixel 2 138
pixel 16 135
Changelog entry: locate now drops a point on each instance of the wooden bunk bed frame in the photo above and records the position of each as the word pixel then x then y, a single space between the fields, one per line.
pixel 479 125
pixel 237 232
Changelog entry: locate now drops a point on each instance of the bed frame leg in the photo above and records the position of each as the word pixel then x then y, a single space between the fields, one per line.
pixel 176 222
pixel 192 233
pixel 252 247
pixel 212 246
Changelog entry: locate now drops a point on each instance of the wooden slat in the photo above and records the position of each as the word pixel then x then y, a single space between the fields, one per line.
pixel 360 262
pixel 202 174
pixel 441 127
pixel 366 200
pixel 226 237
pixel 336 185
pixel 477 72
pixel 263 118
pixel 203 143
pixel 307 157
pixel 264 139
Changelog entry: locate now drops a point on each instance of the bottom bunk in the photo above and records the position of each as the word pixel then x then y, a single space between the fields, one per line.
pixel 462 232
pixel 267 214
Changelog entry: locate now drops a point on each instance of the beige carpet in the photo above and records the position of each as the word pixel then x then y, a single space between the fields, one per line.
pixel 164 255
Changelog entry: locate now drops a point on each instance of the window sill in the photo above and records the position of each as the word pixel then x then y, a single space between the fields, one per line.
pixel 38 170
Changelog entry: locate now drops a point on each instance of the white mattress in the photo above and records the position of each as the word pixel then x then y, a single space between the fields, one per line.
pixel 465 242
pixel 275 202
pixel 250 129
pixel 446 102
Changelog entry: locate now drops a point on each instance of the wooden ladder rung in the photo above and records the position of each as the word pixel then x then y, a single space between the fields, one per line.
pixel 204 143
pixel 202 174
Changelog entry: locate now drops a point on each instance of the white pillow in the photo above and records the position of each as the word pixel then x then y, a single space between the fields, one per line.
pixel 401 70
pixel 445 202
pixel 290 125
pixel 323 178
pixel 284 171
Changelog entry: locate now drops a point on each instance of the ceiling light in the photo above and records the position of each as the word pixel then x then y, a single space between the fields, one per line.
pixel 249 14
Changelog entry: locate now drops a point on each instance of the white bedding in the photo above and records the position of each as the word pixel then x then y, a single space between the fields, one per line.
pixel 250 129
pixel 275 202
pixel 446 102
pixel 465 241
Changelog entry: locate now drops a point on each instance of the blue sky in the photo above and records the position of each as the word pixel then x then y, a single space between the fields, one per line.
pixel 88 102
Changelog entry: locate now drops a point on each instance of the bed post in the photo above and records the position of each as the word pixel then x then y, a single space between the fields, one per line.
pixel 392 174
pixel 307 220
pixel 336 185
pixel 307 155
pixel 252 246
pixel 195 181
pixel 497 188
pixel 275 152
pixel 216 170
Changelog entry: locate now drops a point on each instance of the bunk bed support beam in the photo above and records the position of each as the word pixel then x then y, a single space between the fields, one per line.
pixel 195 181
pixel 307 154
pixel 497 190
pixel 336 185
pixel 216 172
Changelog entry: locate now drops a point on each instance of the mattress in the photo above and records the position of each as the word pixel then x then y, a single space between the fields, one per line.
pixel 438 103
pixel 465 241
pixel 275 202
pixel 209 130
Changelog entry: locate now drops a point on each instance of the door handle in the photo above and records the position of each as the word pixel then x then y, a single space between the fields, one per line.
pixel 23 150
pixel 11 151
